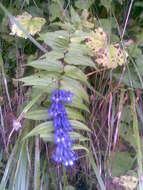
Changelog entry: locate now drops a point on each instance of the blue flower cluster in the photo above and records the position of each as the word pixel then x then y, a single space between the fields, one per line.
pixel 58 113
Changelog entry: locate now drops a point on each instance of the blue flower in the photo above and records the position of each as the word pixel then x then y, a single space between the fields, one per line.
pixel 62 126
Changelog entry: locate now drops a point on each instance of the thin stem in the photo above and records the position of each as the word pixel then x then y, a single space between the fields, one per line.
pixel 126 22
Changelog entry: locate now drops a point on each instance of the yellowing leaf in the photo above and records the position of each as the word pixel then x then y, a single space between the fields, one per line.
pixel 97 40
pixel 109 56
pixel 126 182
pixel 31 25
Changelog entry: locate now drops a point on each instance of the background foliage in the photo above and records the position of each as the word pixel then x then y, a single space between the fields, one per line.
pixel 107 108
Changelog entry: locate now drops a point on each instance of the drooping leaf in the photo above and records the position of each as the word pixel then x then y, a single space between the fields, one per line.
pixel 78 103
pixel 43 128
pixel 78 125
pixel 80 147
pixel 42 114
pixel 39 114
pixel 73 135
pixel 75 114
pixel 47 128
pixel 75 73
pixel 75 87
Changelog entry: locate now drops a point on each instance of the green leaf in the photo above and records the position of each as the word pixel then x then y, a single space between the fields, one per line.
pixel 47 64
pixel 55 11
pixel 126 115
pixel 74 114
pixel 96 171
pixel 75 73
pixel 76 38
pixel 134 79
pixel 42 129
pixel 74 58
pixel 41 79
pixel 53 55
pixel 74 16
pixel 37 164
pixel 69 187
pixel 106 4
pixel 80 147
pixel 139 62
pixel 77 136
pixel 78 103
pixel 108 24
pixel 121 163
pixel 47 128
pixel 126 132
pixel 40 114
pixel 73 135
pixel 78 125
pixel 83 4
pixel 138 4
pixel 58 40
pixel 75 87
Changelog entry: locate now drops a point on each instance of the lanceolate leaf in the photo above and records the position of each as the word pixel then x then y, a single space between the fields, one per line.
pixel 39 114
pixel 75 87
pixel 42 114
pixel 52 55
pixel 42 79
pixel 47 128
pixel 80 147
pixel 49 65
pixel 74 58
pixel 75 17
pixel 75 73
pixel 43 128
pixel 57 40
pixel 78 125
pixel 78 136
pixel 78 103
pixel 74 136
pixel 75 114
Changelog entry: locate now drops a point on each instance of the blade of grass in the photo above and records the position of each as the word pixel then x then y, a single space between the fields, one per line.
pixel 137 140
pixel 37 165
pixel 5 81
pixel 20 180
pixel 94 167
pixel 8 167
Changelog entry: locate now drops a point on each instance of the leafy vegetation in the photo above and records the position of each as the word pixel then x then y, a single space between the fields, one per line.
pixel 92 49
